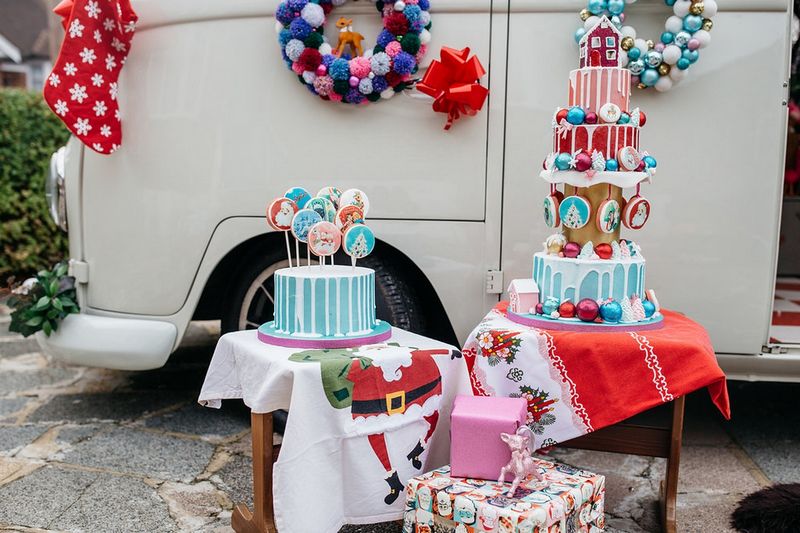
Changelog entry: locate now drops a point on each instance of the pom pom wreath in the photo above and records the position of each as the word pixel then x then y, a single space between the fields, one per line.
pixel 297 5
pixel 323 85
pixel 313 14
pixel 379 84
pixel 415 27
pixel 393 48
pixel 384 38
pixel 411 43
pixel 412 13
pixel 300 29
pixel 294 48
pixel 340 70
pixel 381 63
pixel 360 67
pixel 315 40
pixel 425 5
pixel 297 68
pixel 284 37
pixel 341 87
pixel 328 59
pixel 392 78
pixel 404 63
pixel 354 96
pixel 310 59
pixel 365 86
pixel 396 23
pixel 309 78
pixel 284 13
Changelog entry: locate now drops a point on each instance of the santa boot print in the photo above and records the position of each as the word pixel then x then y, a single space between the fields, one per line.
pixel 432 420
pixel 414 456
pixel 395 488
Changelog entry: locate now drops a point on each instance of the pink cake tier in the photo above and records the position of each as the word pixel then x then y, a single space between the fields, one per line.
pixel 607 139
pixel 592 87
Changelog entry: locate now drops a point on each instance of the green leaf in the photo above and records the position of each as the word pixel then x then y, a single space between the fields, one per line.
pixel 57 304
pixel 53 287
pixel 61 270
pixel 47 328
pixel 35 321
pixel 43 302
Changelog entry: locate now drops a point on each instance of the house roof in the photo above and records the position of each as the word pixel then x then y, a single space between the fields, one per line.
pixel 24 24
pixel 525 285
pixel 604 22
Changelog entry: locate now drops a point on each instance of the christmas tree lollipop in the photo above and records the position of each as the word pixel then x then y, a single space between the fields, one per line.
pixel 279 216
pixel 358 242
pixel 301 224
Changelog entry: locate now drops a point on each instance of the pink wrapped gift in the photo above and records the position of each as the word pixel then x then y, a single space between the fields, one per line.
pixel 476 450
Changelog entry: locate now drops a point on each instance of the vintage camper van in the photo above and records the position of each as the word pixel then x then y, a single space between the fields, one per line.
pixel 171 227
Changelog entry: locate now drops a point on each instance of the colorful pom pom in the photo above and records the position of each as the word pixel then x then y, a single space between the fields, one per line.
pixel 393 48
pixel 396 23
pixel 309 59
pixel 404 63
pixel 297 5
pixel 360 67
pixel 323 85
pixel 313 14
pixel 284 13
pixel 365 86
pixel 340 70
pixel 285 36
pixel 300 29
pixel 379 84
pixel 381 63
pixel 411 43
pixel 314 40
pixel 294 48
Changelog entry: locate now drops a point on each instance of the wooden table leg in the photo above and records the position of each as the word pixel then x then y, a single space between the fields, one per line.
pixel 262 519
pixel 670 487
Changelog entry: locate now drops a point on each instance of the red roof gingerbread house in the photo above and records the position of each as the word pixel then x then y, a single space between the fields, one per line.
pixel 600 45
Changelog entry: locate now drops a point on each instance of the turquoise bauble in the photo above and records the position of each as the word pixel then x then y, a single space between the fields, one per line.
pixel 612 165
pixel 563 160
pixel 670 3
pixel 649 308
pixel 683 63
pixel 667 37
pixel 597 7
pixel 615 7
pixel 636 67
pixel 624 118
pixel 649 77
pixel 551 304
pixel 611 311
pixel 576 115
pixel 579 33
pixel 653 59
pixel 692 23
pixel 691 55
pixel 650 161
pixel 634 54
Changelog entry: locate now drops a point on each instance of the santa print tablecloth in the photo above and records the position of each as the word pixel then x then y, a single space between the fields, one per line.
pixel 578 382
pixel 361 422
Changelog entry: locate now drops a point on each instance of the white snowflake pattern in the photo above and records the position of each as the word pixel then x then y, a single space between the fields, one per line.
pixel 54 79
pixel 82 126
pixel 76 28
pixel 117 114
pixel 70 69
pixel 118 45
pixel 97 147
pixel 105 130
pixel 114 148
pixel 130 27
pixel 97 79
pixel 112 90
pixel 92 9
pixel 111 63
pixel 108 24
pixel 97 36
pixel 100 108
pixel 88 55
pixel 61 108
pixel 78 92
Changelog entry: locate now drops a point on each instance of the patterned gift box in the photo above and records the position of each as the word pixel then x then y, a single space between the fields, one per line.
pixel 566 500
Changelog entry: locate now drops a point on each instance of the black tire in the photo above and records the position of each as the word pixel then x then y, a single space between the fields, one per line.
pixel 396 300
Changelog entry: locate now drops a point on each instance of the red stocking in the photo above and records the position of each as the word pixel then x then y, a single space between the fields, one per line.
pixel 378 443
pixel 432 420
pixel 82 88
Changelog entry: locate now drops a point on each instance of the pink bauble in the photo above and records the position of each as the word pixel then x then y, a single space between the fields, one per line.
pixel 591 118
pixel 693 44
pixel 659 47
pixel 641 166
pixel 587 310
pixel 572 249
pixel 322 70
pixel 539 309
pixel 353 81
pixel 583 162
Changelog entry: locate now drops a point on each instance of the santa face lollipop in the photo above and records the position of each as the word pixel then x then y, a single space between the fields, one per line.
pixel 357 198
pixel 331 193
pixel 299 196
pixel 280 213
pixel 349 215
pixel 358 241
pixel 302 222
pixel 323 207
pixel 324 239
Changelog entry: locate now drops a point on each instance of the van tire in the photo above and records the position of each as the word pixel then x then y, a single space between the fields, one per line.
pixel 396 300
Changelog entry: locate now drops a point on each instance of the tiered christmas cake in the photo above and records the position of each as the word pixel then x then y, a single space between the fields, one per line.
pixel 587 277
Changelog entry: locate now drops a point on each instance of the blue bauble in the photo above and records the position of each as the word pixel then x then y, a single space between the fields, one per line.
pixel 683 63
pixel 634 54
pixel 649 308
pixel 550 304
pixel 597 7
pixel 667 37
pixel 691 55
pixel 579 33
pixel 670 3
pixel 650 161
pixel 636 67
pixel 615 7
pixel 692 23
pixel 611 311
pixel 612 165
pixel 616 21
pixel 563 160
pixel 624 118
pixel 649 77
pixel 653 59
pixel 576 115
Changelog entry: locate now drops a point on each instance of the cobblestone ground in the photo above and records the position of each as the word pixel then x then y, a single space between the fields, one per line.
pixel 86 449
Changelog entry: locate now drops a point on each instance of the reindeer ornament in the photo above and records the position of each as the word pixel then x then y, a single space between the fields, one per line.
pixel 521 464
pixel 348 37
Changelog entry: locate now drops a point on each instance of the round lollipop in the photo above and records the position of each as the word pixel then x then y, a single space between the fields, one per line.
pixel 301 224
pixel 298 195
pixel 358 242
pixel 279 216
pixel 324 239
pixel 323 207
pixel 331 193
pixel 347 216
pixel 357 198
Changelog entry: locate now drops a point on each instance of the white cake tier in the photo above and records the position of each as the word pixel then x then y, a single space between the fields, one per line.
pixel 598 279
pixel 583 179
pixel 328 301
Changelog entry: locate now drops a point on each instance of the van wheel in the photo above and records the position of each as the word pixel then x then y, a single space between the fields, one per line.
pixel 251 300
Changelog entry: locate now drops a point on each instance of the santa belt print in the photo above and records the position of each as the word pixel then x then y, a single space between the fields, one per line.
pixel 394 402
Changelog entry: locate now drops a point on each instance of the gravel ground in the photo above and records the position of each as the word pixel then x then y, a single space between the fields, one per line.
pixel 86 449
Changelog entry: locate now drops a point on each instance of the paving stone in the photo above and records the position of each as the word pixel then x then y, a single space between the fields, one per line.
pixel 73 434
pixel 194 506
pixel 18 346
pixel 10 406
pixel 13 437
pixel 197 420
pixel 385 527
pixel 12 468
pixel 11 381
pixel 187 378
pixel 237 479
pixel 135 451
pixel 713 470
pixel 116 503
pixel 704 513
pixel 118 406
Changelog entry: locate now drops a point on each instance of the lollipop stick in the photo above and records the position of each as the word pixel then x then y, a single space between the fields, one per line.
pixel 332 260
pixel 353 262
pixel 308 255
pixel 297 251
pixel 288 248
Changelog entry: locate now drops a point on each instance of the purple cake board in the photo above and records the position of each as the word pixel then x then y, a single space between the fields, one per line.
pixel 325 344
pixel 562 325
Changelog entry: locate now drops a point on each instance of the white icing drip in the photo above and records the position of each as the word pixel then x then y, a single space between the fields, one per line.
pixel 299 307
pixel 350 307
pixel 609 79
pixel 358 299
pixel 327 307
pixel 313 325
pixel 338 300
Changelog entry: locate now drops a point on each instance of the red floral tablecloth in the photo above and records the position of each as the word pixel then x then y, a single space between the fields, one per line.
pixel 578 382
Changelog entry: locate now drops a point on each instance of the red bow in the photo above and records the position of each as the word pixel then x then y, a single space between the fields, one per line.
pixel 453 82
pixel 63 10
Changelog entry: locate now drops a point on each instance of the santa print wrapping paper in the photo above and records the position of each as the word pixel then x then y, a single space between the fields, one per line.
pixel 567 499
pixel 579 382
pixel 82 88
pixel 361 421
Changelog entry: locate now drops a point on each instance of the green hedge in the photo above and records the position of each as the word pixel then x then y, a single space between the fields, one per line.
pixel 29 134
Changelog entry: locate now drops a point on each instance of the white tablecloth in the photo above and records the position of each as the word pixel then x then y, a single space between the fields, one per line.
pixel 343 449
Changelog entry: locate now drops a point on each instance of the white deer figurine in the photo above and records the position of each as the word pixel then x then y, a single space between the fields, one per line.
pixel 521 464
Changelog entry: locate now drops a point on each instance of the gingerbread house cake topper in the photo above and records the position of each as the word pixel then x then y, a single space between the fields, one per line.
pixel 600 45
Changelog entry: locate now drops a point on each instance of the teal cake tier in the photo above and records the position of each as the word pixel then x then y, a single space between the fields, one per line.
pixel 599 279
pixel 328 301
